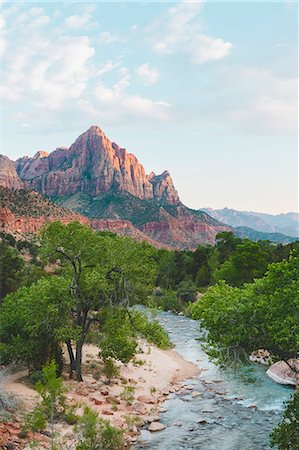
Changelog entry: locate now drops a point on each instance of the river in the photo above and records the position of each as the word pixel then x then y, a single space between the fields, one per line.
pixel 240 408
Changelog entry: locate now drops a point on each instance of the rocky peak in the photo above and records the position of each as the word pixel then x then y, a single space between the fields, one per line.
pixel 93 165
pixel 8 174
pixel 163 187
pixel 40 154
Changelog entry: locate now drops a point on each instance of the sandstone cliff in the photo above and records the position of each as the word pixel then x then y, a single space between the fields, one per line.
pixel 93 165
pixel 8 174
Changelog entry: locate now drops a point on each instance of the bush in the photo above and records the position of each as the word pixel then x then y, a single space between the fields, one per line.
pixel 110 369
pixel 286 434
pixel 97 434
pixel 168 301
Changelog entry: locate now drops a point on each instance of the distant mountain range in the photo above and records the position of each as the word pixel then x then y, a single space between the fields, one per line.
pixel 100 181
pixel 286 224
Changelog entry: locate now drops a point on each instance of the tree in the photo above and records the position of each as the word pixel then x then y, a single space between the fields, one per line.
pixel 286 435
pixel 263 314
pixel 103 270
pixel 248 261
pixel 34 321
pixel 11 265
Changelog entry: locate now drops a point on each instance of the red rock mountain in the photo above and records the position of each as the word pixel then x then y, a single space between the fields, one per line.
pixel 93 165
pixel 99 183
pixel 8 174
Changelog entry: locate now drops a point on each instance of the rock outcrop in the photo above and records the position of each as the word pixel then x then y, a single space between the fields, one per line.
pixel 93 165
pixel 8 174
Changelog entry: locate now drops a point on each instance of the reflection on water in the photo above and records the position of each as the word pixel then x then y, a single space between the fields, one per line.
pixel 238 409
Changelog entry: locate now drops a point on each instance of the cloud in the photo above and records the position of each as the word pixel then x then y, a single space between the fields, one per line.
pixel 77 21
pixel 54 73
pixel 178 31
pixel 107 38
pixel 148 75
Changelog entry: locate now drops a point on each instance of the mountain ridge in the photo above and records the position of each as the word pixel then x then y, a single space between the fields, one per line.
pixel 101 181
pixel 285 223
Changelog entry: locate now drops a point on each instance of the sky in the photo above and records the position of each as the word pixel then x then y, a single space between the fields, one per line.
pixel 207 90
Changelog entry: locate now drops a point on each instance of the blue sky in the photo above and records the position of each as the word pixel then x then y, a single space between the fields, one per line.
pixel 207 90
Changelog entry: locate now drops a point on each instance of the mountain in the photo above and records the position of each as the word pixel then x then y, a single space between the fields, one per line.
pixel 8 174
pixel 254 235
pixel 93 165
pixel 101 181
pixel 287 224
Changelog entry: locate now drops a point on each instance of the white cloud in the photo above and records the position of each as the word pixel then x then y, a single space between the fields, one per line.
pixel 51 73
pixel 77 21
pixel 107 38
pixel 179 31
pixel 148 75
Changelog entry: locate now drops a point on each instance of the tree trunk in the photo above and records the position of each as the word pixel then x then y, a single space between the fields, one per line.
pixel 72 358
pixel 79 360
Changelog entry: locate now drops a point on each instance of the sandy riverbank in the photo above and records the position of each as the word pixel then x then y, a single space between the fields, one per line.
pixel 156 374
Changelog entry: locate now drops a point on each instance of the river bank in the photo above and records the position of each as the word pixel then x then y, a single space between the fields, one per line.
pixel 131 400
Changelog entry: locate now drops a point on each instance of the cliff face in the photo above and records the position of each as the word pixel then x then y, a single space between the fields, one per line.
pixel 8 174
pixel 93 165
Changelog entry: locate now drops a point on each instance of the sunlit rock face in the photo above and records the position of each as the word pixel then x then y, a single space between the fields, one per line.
pixel 93 165
pixel 8 174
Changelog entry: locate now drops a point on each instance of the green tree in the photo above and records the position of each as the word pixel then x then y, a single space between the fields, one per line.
pixel 34 321
pixel 286 435
pixel 248 261
pixel 11 265
pixel 263 314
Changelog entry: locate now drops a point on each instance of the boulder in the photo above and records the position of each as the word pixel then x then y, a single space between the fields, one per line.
pixel 281 373
pixel 156 426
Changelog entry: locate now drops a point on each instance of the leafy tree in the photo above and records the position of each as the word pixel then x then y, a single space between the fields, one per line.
pixel 248 261
pixel 34 321
pixel 263 314
pixel 186 291
pixel 104 270
pixel 11 265
pixel 286 435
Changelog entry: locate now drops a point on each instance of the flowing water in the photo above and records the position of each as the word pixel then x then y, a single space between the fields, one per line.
pixel 240 408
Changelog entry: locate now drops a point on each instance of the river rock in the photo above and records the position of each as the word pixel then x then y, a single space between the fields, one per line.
pixel 281 373
pixel 202 421
pixel 156 426
pixel 145 399
pixel 196 394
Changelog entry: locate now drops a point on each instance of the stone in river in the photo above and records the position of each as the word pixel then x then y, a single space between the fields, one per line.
pixel 196 394
pixel 156 426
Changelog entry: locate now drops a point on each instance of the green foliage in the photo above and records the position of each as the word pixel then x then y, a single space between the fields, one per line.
pixel 53 404
pixel 128 394
pixel 97 434
pixel 286 435
pixel 110 369
pixel 52 392
pixel 248 262
pixel 11 265
pixel 34 320
pixel 168 301
pixel 186 291
pixel 263 314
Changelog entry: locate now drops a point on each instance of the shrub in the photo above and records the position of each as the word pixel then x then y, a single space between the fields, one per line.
pixel 128 394
pixel 110 369
pixel 97 434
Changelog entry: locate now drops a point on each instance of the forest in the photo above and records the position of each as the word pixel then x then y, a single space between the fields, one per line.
pixel 73 286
